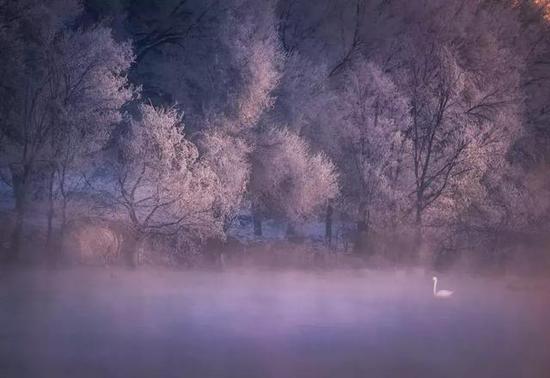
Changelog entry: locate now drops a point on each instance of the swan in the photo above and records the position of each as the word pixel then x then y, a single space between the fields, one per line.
pixel 441 293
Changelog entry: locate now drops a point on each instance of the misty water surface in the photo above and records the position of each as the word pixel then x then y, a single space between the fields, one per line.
pixel 111 323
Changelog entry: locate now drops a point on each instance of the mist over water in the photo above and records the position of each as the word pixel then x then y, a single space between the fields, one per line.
pixel 147 323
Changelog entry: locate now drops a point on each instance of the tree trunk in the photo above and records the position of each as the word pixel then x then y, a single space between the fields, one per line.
pixel 132 243
pixel 290 230
pixel 257 220
pixel 222 260
pixel 361 237
pixel 292 234
pixel 328 225
pixel 51 212
pixel 418 237
pixel 20 184
pixel 64 213
pixel 60 252
pixel 64 202
pixel 16 236
pixel 362 231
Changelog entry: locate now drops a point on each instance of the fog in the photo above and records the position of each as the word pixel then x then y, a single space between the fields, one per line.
pixel 149 323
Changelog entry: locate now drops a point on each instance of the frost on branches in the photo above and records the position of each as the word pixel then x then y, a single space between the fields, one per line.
pixel 288 179
pixel 161 184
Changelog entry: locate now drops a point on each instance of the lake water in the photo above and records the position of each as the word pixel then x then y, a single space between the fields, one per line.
pixel 145 323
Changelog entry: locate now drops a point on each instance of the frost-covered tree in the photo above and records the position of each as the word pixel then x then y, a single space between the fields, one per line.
pixel 257 55
pixel 160 184
pixel 461 125
pixel 220 59
pixel 87 102
pixel 288 180
pixel 67 91
pixel 228 157
pixel 418 104
pixel 532 150
pixel 302 96
pixel 369 146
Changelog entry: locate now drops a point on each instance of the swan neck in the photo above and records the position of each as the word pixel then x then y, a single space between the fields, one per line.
pixel 435 286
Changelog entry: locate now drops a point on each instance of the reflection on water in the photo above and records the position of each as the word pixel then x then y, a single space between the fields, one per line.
pixel 87 323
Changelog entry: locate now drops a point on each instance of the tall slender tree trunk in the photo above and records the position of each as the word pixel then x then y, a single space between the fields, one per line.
pixel 63 225
pixel 20 178
pixel 131 245
pixel 52 253
pixel 328 224
pixel 60 252
pixel 290 230
pixel 362 231
pixel 257 220
pixel 419 238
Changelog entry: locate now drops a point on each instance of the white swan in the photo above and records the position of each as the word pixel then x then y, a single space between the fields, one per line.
pixel 441 293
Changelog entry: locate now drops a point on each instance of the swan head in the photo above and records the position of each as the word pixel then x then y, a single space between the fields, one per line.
pixel 434 278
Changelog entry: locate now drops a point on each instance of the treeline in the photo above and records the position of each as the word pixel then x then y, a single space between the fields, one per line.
pixel 423 125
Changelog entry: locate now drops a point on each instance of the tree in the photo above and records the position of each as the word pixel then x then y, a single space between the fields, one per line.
pixel 302 96
pixel 458 128
pixel 88 101
pixel 288 180
pixel 160 184
pixel 219 58
pixel 26 120
pixel 67 92
pixel 369 147
pixel 228 157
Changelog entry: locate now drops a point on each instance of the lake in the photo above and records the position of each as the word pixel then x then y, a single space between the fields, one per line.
pixel 153 323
